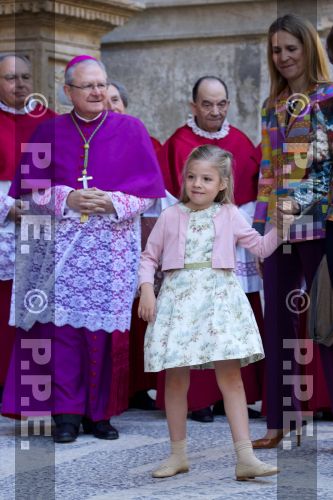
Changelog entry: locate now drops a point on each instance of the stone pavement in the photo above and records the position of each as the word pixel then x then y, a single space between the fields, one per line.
pixel 120 470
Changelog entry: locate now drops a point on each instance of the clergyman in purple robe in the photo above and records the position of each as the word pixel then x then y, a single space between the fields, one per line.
pixel 84 180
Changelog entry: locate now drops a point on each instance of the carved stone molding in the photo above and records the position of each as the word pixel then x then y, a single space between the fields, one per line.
pixel 51 32
pixel 105 12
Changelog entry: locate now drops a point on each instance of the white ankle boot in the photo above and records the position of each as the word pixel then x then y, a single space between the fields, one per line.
pixel 248 465
pixel 176 463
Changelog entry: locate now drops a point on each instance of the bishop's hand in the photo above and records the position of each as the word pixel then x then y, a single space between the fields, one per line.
pixel 15 213
pixel 90 201
pixel 103 202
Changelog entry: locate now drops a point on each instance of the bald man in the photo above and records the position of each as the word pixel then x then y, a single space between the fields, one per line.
pixel 208 124
pixel 20 114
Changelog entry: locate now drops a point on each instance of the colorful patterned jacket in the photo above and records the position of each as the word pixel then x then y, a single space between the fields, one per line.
pixel 326 108
pixel 297 159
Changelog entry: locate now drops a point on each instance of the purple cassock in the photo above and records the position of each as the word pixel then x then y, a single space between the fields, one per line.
pixel 75 280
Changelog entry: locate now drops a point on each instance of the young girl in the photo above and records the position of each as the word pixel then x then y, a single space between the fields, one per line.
pixel 202 316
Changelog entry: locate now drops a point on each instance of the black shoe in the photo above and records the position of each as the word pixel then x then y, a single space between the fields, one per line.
pixel 323 415
pixel 142 401
pixel 218 408
pixel 101 429
pixel 203 415
pixel 65 433
pixel 87 425
pixel 253 413
pixel 327 415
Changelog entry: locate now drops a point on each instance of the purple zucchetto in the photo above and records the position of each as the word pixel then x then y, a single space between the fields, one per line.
pixel 78 59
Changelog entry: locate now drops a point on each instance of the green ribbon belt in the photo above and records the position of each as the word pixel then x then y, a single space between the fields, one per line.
pixel 197 265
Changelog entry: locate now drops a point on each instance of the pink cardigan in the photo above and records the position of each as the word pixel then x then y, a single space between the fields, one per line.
pixel 168 237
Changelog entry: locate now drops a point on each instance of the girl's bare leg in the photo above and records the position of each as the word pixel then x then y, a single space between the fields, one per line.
pixel 230 382
pixel 177 382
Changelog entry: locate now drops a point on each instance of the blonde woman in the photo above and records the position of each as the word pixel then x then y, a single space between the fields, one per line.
pixel 296 168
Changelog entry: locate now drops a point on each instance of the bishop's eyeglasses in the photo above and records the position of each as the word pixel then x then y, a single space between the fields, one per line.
pixel 89 87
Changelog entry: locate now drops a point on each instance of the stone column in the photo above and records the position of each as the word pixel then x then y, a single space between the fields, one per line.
pixel 50 33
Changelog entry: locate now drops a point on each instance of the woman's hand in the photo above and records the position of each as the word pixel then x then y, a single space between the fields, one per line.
pixel 282 220
pixel 147 303
pixel 90 201
pixel 288 206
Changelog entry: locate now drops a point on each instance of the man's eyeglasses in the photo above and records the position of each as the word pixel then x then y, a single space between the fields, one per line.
pixel 89 87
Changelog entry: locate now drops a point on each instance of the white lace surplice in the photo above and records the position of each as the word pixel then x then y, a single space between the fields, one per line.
pixel 246 270
pixel 7 235
pixel 88 273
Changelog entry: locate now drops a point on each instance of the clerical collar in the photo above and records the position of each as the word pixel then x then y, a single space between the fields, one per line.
pixel 85 119
pixel 220 134
pixel 27 109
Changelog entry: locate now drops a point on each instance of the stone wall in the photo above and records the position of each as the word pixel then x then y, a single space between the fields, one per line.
pixel 50 33
pixel 162 51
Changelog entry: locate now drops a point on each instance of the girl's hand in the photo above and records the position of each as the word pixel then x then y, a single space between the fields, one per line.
pixel 260 266
pixel 147 304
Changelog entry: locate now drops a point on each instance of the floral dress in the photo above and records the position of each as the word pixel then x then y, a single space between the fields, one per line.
pixel 203 315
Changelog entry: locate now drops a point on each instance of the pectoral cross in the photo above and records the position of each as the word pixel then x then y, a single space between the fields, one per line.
pixel 84 179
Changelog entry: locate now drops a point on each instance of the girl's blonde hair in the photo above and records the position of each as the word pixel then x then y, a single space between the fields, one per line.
pixel 219 159
pixel 316 66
